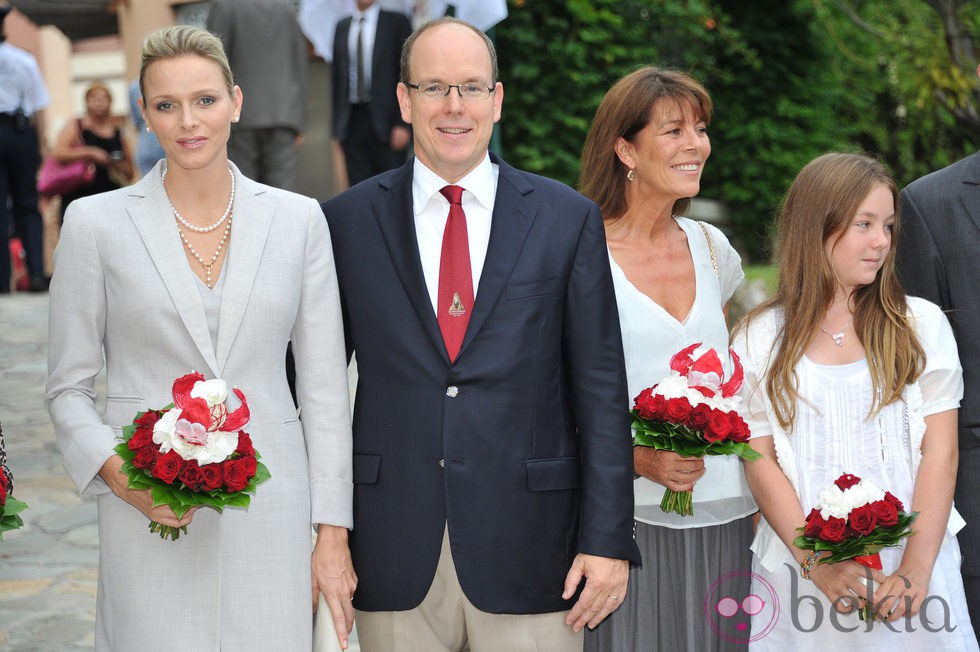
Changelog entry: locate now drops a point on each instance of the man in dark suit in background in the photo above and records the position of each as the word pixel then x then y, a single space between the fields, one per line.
pixel 366 118
pixel 939 259
pixel 492 451
pixel 268 56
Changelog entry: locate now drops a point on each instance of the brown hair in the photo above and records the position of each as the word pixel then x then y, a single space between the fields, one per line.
pixel 97 85
pixel 820 204
pixel 623 112
pixel 445 20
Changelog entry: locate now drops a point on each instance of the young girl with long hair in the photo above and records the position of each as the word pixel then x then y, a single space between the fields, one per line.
pixel 847 374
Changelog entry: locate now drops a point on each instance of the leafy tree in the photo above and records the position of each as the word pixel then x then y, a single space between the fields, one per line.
pixel 757 59
pixel 791 79
pixel 912 67
pixel 777 108
pixel 559 58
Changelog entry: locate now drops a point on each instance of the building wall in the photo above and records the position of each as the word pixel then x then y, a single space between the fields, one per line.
pixel 69 67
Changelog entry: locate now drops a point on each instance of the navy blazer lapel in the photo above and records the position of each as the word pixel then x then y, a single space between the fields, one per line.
pixel 157 228
pixel 512 218
pixel 342 35
pixel 383 39
pixel 252 218
pixel 970 193
pixel 394 212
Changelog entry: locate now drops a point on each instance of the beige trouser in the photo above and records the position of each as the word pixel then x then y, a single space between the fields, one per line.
pixel 446 620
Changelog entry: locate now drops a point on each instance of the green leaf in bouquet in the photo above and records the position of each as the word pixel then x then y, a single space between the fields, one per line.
pixel 13 507
pixel 261 473
pixel 11 522
pixel 141 481
pixel 122 450
pixel 746 452
pixel 9 519
pixel 238 500
pixel 882 537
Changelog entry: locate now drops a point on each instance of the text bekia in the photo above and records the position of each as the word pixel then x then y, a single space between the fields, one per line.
pixel 807 610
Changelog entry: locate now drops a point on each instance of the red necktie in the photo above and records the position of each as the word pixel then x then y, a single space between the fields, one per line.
pixel 455 302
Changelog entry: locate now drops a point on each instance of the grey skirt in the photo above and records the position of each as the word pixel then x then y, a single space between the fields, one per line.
pixel 688 595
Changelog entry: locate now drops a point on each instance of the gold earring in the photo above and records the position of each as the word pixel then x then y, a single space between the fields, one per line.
pixel 631 174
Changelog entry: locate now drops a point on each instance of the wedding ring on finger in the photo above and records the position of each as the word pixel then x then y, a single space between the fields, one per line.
pixel 614 597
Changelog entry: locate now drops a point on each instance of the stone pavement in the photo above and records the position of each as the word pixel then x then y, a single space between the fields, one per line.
pixel 48 568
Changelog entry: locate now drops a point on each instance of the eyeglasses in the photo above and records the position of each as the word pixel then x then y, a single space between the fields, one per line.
pixel 436 90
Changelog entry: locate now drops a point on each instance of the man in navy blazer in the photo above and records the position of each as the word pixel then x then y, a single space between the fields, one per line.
pixel 493 488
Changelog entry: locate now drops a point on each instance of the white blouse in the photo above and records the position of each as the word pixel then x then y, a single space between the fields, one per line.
pixel 651 335
pixel 825 442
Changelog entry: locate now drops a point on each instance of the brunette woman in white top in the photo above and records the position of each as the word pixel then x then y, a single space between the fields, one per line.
pixel 673 276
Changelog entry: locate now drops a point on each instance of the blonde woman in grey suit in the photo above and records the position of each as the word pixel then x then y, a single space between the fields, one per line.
pixel 196 267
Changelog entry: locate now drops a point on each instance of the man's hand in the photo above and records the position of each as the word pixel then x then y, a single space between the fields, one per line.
pixel 605 588
pixel 334 577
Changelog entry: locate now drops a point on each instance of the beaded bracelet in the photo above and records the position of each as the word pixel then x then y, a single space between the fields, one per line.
pixel 807 564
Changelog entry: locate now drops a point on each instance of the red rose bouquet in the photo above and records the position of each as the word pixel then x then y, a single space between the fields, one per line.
pixel 193 452
pixel 854 519
pixel 10 508
pixel 692 412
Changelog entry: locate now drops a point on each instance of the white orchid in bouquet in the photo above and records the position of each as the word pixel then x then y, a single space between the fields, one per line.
pixel 193 452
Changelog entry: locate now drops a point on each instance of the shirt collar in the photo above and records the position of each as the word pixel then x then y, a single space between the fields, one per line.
pixel 480 182
pixel 370 14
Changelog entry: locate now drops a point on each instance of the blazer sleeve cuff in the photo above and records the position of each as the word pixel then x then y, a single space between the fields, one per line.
pixel 332 502
pixel 85 466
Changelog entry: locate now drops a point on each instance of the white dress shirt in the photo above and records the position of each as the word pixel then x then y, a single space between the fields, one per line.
pixel 431 211
pixel 370 27
pixel 21 84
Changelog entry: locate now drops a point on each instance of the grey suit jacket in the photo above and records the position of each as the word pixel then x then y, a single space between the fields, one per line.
pixel 939 260
pixel 123 295
pixel 268 57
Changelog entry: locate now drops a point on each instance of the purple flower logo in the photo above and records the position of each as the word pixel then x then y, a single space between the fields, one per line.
pixel 733 603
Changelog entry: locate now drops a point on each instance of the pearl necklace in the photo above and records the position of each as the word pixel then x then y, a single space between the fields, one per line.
pixel 217 252
pixel 202 229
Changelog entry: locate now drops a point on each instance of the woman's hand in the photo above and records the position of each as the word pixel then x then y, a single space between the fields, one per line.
pixel 333 576
pixel 845 583
pixel 141 499
pixel 668 468
pixel 901 594
pixel 98 156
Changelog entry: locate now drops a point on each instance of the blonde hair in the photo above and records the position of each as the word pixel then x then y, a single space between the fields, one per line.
pixel 623 112
pixel 820 204
pixel 179 40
